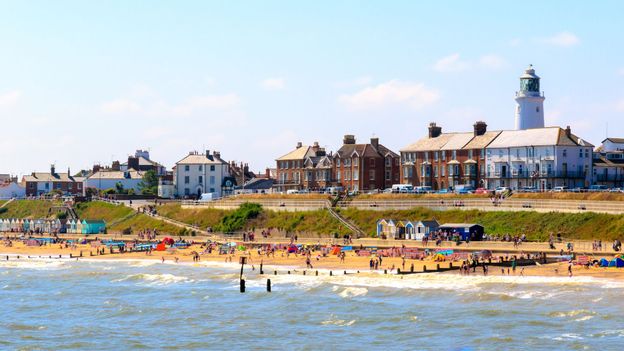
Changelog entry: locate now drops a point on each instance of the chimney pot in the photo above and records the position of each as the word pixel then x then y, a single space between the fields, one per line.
pixel 480 128
pixel 375 142
pixel 299 144
pixel 434 130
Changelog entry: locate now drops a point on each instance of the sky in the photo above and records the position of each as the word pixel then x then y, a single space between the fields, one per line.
pixel 88 82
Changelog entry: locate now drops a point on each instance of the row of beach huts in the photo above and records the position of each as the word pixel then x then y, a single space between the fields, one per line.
pixel 70 226
pixel 417 230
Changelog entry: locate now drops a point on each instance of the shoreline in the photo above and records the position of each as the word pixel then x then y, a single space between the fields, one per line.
pixel 282 263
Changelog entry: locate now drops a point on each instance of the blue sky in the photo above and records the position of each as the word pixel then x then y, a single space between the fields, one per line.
pixel 87 82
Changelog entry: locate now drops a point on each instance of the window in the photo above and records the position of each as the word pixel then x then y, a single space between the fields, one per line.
pixel 537 109
pixel 347 175
pixel 443 155
pixel 356 175
pixel 371 162
pixel 482 154
pixel 187 179
pixel 580 153
pixel 517 153
pixel 187 191
pixel 355 162
pixel 212 190
pixel 435 171
pixel 443 171
pixel 337 162
pixel 338 176
pixel 201 179
pixel 426 156
pixel 201 168
pixel 435 156
pixel 388 176
pixel 187 168
pixel 470 154
pixel 565 153
pixel 454 154
pixel 371 174
pixel 212 180
pixel 347 162
pixel 212 168
pixel 586 153
pixel 388 162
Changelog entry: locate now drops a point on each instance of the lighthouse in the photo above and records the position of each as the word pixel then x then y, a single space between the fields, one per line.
pixel 529 101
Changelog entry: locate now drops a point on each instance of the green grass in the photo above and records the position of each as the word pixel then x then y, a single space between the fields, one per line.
pixel 102 210
pixel 203 218
pixel 537 225
pixel 31 209
pixel 119 218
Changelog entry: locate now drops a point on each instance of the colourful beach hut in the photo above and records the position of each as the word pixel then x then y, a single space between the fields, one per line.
pixel 90 226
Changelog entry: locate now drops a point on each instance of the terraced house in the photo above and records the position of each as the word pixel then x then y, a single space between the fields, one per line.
pixel 365 167
pixel 305 167
pixel 40 183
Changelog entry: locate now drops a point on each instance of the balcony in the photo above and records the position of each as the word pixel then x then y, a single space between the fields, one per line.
pixel 544 174
pixel 609 177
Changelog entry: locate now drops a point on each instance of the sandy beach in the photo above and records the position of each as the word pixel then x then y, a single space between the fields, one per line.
pixel 283 261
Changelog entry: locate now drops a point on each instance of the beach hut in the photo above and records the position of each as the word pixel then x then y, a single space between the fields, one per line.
pixel 399 232
pixel 471 231
pixel 409 230
pixel 382 226
pixel 90 226
pixel 71 226
pixel 423 228
pixel 78 227
pixel 616 262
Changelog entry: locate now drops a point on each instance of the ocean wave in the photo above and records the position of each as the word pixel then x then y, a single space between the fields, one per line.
pixel 351 292
pixel 155 279
pixel 36 264
pixel 338 322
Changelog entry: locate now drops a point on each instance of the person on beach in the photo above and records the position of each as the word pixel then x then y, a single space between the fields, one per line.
pixel 522 272
pixel 570 269
pixel 163 259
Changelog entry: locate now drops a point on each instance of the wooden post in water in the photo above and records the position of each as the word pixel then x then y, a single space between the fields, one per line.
pixel 330 273
pixel 261 271
pixel 412 268
pixel 424 268
pixel 438 267
pixel 268 285
pixel 242 285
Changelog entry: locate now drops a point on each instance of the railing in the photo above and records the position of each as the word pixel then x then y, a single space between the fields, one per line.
pixel 487 204
pixel 234 202
pixel 526 174
pixel 609 177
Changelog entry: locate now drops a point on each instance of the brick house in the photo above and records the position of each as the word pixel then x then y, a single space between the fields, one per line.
pixel 39 183
pixel 444 160
pixel 305 167
pixel 361 167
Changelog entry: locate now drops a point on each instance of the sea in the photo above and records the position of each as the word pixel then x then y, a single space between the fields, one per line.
pixel 62 304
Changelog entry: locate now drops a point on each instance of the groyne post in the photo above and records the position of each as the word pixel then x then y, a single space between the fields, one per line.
pixel 268 285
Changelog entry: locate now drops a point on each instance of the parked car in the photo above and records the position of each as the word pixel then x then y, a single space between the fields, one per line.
pixel 598 188
pixel 615 190
pixel 528 189
pixel 443 191
pixel 560 189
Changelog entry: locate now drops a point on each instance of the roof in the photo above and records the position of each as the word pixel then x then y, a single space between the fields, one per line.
pixel 457 141
pixel 94 221
pixel 457 225
pixel 429 144
pixel 49 177
pixel 365 150
pixel 298 154
pixel 200 159
pixel 536 137
pixel 431 223
pixel 116 175
pixel 481 141
pixel 615 140
pixel 259 184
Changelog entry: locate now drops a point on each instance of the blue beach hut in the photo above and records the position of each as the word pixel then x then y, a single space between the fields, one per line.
pixel 616 262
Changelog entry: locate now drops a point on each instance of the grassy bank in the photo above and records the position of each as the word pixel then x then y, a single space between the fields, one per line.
pixel 121 218
pixel 203 218
pixel 31 209
pixel 536 225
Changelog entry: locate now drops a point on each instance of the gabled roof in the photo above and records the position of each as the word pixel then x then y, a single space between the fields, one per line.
pixel 615 140
pixel 429 144
pixel 201 159
pixel 364 150
pixel 49 177
pixel 297 154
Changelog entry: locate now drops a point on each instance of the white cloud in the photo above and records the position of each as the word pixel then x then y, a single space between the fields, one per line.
pixel 121 106
pixel 208 102
pixel 492 62
pixel 451 63
pixel 10 98
pixel 394 92
pixel 563 39
pixel 274 83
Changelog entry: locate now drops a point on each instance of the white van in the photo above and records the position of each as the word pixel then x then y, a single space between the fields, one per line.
pixel 292 192
pixel 402 188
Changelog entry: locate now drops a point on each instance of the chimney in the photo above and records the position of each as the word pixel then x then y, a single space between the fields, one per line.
pixel 315 146
pixel 299 144
pixel 52 170
pixel 68 172
pixel 96 168
pixel 348 139
pixel 480 128
pixel 133 163
pixel 568 132
pixel 116 166
pixel 207 152
pixel 434 130
pixel 267 173
pixel 217 154
pixel 375 142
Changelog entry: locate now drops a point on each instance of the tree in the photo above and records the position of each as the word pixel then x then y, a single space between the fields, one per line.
pixel 149 184
pixel 119 187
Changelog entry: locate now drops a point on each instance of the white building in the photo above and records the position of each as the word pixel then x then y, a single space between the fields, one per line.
pixel 609 163
pixel 11 190
pixel 542 158
pixel 103 180
pixel 529 101
pixel 197 174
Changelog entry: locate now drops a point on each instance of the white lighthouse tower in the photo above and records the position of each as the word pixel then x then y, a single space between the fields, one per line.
pixel 530 103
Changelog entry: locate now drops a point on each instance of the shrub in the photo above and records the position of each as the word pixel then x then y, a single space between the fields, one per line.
pixel 237 219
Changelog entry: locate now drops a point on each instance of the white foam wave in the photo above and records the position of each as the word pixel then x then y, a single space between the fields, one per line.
pixel 338 322
pixel 156 279
pixel 351 292
pixel 37 264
